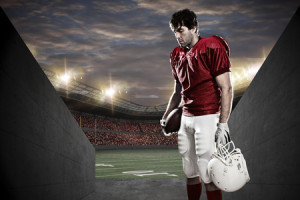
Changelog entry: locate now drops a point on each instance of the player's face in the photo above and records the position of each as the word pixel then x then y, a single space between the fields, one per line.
pixel 184 36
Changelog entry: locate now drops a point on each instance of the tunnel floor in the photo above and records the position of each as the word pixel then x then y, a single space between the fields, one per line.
pixel 140 189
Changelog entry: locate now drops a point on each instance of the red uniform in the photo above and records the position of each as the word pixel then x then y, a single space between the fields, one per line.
pixel 196 70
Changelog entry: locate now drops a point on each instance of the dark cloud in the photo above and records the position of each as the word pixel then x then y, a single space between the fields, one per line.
pixel 127 42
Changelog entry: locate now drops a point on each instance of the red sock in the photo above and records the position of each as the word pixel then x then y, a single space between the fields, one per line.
pixel 214 195
pixel 194 191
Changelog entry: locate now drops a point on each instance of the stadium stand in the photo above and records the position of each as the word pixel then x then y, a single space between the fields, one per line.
pixel 150 127
pixel 107 124
pixel 107 131
pixel 129 126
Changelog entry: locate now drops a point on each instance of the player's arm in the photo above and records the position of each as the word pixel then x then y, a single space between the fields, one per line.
pixel 224 83
pixel 222 134
pixel 175 99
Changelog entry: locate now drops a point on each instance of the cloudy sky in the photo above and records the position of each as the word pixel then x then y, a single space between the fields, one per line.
pixel 125 44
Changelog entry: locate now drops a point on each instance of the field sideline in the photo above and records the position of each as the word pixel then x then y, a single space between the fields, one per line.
pixel 139 163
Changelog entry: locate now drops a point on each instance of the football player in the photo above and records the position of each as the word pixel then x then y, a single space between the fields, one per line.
pixel 201 69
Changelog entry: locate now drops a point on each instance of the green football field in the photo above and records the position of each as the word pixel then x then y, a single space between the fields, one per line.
pixel 145 163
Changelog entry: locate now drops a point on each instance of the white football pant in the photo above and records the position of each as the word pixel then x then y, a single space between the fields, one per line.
pixel 196 144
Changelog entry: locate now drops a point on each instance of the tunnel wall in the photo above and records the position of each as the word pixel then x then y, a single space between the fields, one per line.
pixel 43 152
pixel 266 122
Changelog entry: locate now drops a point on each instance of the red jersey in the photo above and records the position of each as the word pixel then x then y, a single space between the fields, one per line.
pixel 196 70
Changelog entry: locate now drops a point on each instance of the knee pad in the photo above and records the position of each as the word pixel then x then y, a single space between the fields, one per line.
pixel 189 158
pixel 190 167
pixel 203 170
pixel 204 150
pixel 203 157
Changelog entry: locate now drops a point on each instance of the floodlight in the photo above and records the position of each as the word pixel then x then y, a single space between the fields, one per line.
pixel 110 92
pixel 65 78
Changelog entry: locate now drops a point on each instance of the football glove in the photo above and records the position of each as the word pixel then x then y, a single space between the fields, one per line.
pixel 163 125
pixel 222 134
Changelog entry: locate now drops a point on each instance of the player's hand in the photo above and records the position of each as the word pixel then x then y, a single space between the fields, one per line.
pixel 222 134
pixel 163 125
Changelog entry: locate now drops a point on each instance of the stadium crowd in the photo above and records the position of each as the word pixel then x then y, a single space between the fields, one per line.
pixel 107 124
pixel 102 130
pixel 150 127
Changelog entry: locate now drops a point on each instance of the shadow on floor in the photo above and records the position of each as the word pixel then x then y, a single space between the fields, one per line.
pixel 140 189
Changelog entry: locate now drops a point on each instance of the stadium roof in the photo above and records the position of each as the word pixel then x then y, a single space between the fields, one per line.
pixel 80 92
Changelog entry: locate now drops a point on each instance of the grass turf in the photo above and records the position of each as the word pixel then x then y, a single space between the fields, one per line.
pixel 139 163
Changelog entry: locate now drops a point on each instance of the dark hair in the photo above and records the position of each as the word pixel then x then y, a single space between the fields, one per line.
pixel 184 17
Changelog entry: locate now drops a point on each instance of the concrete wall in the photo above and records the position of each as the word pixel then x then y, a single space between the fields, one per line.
pixel 43 152
pixel 266 123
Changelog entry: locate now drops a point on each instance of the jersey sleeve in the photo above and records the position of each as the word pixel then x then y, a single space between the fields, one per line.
pixel 173 67
pixel 218 53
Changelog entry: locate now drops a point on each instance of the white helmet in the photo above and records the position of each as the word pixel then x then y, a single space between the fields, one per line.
pixel 228 169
